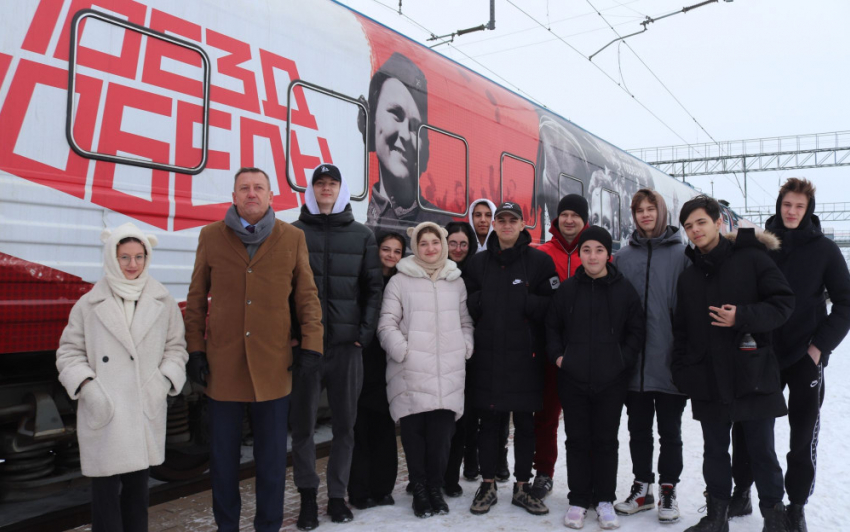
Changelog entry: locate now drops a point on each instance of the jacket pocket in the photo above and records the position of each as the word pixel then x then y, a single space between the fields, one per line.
pixel 692 377
pixel 756 372
pixel 96 404
pixel 155 396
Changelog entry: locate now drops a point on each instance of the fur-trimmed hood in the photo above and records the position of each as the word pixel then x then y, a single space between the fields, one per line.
pixel 750 237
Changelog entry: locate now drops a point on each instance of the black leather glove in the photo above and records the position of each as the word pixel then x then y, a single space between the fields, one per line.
pixel 198 368
pixel 306 360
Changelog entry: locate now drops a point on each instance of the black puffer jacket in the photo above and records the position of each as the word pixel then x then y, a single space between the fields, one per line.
pixel 723 382
pixel 811 263
pixel 373 395
pixel 597 325
pixel 509 292
pixel 345 264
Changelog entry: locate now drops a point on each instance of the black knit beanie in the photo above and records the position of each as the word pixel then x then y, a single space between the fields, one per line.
pixel 575 203
pixel 599 234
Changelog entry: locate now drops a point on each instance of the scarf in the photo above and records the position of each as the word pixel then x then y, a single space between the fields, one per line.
pixel 661 216
pixel 262 229
pixel 431 269
pixel 125 291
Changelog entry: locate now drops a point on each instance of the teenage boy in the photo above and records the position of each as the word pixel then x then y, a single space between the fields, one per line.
pixel 594 342
pixel 572 218
pixel 652 262
pixel 345 264
pixel 481 220
pixel 811 263
pixel 509 287
pixel 729 301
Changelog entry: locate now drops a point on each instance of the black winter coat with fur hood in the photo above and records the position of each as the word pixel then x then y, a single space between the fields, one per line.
pixel 725 383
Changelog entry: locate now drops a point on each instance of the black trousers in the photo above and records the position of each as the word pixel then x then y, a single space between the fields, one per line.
pixel 269 419
pixel 120 502
pixel 717 466
pixel 374 462
pixel 491 445
pixel 591 421
pixel 806 389
pixel 458 450
pixel 643 408
pixel 426 438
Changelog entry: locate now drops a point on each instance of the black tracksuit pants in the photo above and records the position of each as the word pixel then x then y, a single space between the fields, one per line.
pixel 642 408
pixel 426 438
pixel 806 388
pixel 592 421
pixel 374 461
pixel 491 444
pixel 717 466
pixel 120 502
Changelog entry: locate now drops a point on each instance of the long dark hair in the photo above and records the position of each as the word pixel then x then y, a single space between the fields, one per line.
pixel 389 235
pixel 465 228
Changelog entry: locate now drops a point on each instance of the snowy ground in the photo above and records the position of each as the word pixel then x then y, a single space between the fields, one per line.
pixel 824 511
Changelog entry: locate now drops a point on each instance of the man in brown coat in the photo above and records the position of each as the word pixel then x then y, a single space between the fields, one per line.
pixel 251 265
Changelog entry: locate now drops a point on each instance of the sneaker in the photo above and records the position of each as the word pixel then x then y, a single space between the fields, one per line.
pixel 796 518
pixel 338 511
pixel 607 516
pixel 740 504
pixel 524 498
pixel 470 474
pixel 438 503
pixel 421 501
pixel 542 486
pixel 639 500
pixel 668 507
pixel 574 518
pixel 308 516
pixel 486 496
pixel 453 491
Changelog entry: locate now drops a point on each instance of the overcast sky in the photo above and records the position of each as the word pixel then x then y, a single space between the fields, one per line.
pixel 744 69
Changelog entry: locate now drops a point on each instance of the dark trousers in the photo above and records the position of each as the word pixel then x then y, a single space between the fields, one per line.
pixel 546 425
pixel 643 407
pixel 806 389
pixel 457 450
pixel 717 465
pixel 268 419
pixel 374 462
pixel 120 502
pixel 592 420
pixel 341 372
pixel 426 438
pixel 491 445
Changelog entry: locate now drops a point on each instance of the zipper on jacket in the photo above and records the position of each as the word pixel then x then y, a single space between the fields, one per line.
pixel 326 259
pixel 437 346
pixel 590 351
pixel 645 315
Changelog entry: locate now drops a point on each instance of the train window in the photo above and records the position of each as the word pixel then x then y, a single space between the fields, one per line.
pixel 350 155
pixel 519 185
pixel 443 162
pixel 606 211
pixel 139 127
pixel 568 184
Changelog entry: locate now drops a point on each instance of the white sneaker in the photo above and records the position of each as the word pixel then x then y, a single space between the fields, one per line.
pixel 639 500
pixel 668 507
pixel 574 517
pixel 607 516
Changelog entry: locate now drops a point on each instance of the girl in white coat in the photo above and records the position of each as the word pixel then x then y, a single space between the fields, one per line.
pixel 426 330
pixel 121 354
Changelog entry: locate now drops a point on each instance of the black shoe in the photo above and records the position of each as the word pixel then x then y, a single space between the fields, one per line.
pixel 486 496
pixel 409 488
pixel 775 519
pixel 524 498
pixel 421 501
pixel 471 474
pixel 362 503
pixel 542 486
pixel 796 518
pixel 503 473
pixel 338 511
pixel 715 519
pixel 386 500
pixel 740 505
pixel 438 503
pixel 453 491
pixel 308 517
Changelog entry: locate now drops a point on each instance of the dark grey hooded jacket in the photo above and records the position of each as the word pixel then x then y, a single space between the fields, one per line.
pixel 653 267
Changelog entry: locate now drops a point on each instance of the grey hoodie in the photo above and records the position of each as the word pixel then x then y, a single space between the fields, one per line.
pixel 653 267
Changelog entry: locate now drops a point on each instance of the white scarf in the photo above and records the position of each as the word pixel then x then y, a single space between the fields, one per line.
pixel 125 291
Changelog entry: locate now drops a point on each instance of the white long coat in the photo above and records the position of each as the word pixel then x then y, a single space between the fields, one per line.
pixel 121 414
pixel 426 330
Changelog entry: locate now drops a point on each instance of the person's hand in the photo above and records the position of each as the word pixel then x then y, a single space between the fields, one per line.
pixel 559 361
pixel 87 380
pixel 198 368
pixel 723 316
pixel 294 342
pixel 815 353
pixel 308 361
pixel 357 344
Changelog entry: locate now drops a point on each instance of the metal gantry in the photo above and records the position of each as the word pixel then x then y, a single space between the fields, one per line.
pixel 827 212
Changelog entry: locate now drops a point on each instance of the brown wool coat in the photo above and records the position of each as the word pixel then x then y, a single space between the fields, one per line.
pixel 247 338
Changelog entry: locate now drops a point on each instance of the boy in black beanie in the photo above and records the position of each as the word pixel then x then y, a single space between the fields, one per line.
pixel 594 332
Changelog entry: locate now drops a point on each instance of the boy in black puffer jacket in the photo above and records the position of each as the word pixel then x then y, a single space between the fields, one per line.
pixel 594 332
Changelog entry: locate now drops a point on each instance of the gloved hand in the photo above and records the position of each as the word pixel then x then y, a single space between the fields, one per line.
pixel 306 360
pixel 198 368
